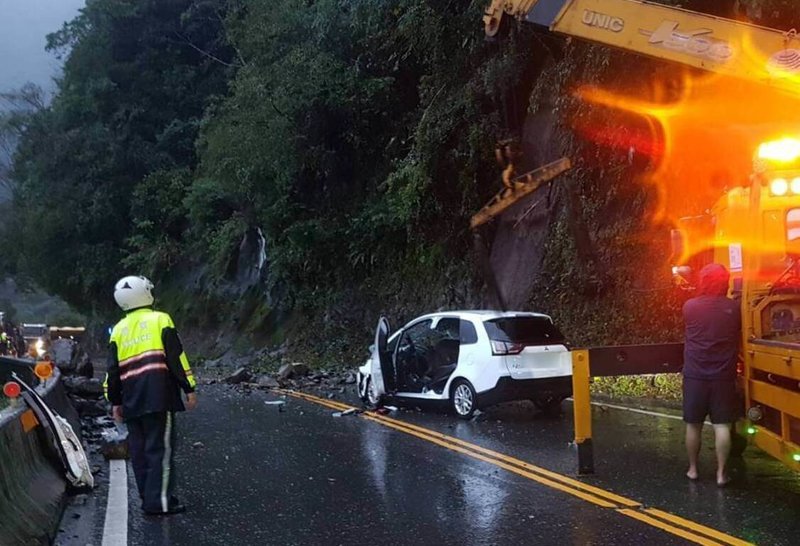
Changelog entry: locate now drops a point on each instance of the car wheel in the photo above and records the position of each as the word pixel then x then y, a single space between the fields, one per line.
pixel 373 399
pixel 463 399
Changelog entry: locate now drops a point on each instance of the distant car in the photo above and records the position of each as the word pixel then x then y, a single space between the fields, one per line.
pixel 469 359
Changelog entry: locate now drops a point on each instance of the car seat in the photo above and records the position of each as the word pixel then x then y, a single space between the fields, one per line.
pixel 442 363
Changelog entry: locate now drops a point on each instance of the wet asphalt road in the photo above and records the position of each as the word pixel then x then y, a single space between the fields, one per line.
pixel 301 476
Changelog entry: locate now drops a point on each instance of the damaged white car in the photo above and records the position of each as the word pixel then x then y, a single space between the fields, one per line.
pixel 470 360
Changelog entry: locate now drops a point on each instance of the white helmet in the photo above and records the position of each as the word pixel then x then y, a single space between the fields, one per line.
pixel 133 292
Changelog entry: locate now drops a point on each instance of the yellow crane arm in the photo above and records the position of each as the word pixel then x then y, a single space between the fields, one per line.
pixel 724 46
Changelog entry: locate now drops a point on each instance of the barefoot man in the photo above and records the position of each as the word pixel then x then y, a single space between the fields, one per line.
pixel 713 334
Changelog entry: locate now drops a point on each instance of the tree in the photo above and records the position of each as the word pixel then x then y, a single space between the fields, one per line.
pixel 137 79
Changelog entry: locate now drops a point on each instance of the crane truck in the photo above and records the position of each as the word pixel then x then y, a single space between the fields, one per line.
pixel 753 228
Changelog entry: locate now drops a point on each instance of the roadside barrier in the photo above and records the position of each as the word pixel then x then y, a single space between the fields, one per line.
pixel 611 362
pixel 32 485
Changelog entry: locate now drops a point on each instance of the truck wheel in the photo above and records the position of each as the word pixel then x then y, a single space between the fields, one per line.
pixel 738 443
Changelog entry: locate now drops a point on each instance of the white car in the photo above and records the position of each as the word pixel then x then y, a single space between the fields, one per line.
pixel 470 359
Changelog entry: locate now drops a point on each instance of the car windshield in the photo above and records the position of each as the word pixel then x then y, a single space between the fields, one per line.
pixel 524 330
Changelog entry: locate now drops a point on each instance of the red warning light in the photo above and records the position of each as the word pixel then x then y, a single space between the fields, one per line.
pixel 11 389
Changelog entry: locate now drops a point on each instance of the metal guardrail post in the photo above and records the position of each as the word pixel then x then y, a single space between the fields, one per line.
pixel 582 408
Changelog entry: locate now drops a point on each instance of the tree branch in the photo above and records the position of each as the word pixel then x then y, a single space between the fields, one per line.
pixel 204 52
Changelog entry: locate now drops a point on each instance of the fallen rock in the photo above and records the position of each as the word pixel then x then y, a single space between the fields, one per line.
pixel 296 369
pixel 90 408
pixel 85 368
pixel 62 353
pixel 267 381
pixel 198 445
pixel 116 448
pixel 350 379
pixel 239 376
pixel 83 387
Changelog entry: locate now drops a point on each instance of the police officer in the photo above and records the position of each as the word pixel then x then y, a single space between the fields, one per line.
pixel 147 370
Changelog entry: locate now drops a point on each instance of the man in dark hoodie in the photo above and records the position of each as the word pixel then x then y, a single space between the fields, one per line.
pixel 713 335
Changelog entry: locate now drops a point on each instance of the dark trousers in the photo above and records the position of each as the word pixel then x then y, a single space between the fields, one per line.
pixel 151 443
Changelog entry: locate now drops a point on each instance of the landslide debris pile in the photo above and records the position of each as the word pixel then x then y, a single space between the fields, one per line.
pixel 294 375
pixel 85 392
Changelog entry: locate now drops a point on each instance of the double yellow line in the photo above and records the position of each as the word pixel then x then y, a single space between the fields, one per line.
pixel 665 521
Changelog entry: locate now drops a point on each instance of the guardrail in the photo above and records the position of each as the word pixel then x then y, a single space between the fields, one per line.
pixel 610 362
pixel 32 485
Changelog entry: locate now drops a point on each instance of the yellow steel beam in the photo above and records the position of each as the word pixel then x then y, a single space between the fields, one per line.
pixel 783 400
pixel 774 445
pixel 725 46
pixel 776 361
pixel 520 187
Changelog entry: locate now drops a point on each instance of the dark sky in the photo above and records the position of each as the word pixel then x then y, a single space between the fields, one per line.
pixel 23 27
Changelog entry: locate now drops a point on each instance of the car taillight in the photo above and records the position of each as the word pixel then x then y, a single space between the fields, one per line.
pixel 506 348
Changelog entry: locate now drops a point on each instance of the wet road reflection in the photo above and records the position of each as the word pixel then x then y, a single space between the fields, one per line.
pixel 301 476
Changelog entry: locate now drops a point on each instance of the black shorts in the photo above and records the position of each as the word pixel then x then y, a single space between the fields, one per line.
pixel 716 398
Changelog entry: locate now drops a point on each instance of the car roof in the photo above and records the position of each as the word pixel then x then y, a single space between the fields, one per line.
pixel 481 314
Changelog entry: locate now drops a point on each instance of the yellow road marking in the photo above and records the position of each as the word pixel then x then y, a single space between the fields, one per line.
pixel 665 521
pixel 494 454
pixel 697 527
pixel 523 473
pixel 539 470
pixel 635 514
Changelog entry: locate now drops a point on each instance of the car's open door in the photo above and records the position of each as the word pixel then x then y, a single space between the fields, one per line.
pixel 381 372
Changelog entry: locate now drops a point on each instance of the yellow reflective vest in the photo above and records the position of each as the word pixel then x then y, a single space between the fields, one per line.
pixel 147 367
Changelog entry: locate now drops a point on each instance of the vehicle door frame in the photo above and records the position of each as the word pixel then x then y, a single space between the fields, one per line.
pixel 381 361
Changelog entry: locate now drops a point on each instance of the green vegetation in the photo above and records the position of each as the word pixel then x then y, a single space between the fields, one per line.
pixel 357 137
pixel 661 386
pixel 137 80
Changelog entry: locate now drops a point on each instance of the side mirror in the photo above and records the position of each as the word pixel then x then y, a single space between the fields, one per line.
pixel 681 271
pixel 677 244
pixel 682 276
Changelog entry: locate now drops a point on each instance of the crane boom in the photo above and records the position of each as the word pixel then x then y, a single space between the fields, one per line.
pixel 716 44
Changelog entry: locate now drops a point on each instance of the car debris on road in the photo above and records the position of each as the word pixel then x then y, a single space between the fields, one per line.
pixel 351 411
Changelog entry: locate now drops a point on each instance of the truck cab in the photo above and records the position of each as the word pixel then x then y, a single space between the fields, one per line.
pixel 755 232
pixel 37 339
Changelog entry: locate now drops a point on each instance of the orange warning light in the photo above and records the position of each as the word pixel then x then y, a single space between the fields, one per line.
pixel 43 370
pixel 11 389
